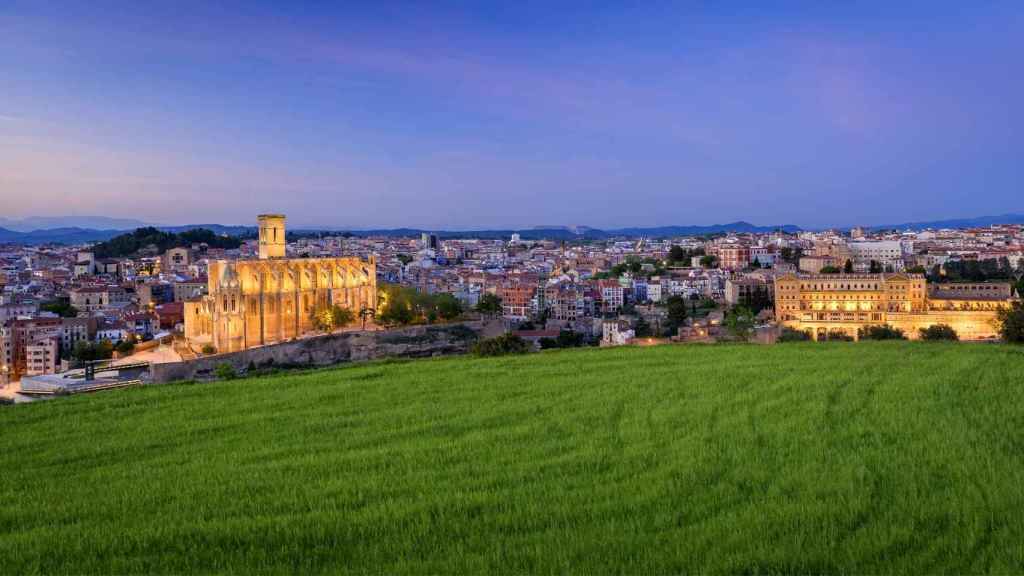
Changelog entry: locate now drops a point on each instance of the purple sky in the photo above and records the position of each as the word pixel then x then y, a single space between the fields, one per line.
pixel 471 116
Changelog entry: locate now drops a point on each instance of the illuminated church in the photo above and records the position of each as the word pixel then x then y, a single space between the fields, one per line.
pixel 272 299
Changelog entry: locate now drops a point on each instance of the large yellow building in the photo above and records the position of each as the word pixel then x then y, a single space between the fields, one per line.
pixel 828 303
pixel 272 299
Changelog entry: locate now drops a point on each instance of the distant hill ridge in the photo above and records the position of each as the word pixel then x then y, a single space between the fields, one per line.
pixel 79 235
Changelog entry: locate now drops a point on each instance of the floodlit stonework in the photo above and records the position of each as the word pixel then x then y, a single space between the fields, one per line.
pixel 272 299
pixel 829 303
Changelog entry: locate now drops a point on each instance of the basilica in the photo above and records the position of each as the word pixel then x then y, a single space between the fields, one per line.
pixel 273 298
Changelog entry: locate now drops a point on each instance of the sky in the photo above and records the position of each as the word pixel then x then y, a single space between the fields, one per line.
pixel 460 115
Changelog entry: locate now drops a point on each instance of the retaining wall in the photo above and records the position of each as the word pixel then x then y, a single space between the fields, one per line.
pixel 412 342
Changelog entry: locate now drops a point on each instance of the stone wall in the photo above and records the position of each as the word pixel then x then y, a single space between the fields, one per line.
pixel 412 342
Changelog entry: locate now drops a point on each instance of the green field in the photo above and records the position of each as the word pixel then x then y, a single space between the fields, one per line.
pixel 889 457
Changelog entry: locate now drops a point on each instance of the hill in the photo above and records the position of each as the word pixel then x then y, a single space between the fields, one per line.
pixel 803 458
pixel 34 223
pixel 56 236
pixel 979 222
pixel 131 242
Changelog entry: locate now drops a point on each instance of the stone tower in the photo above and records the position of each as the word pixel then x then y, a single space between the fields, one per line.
pixel 272 241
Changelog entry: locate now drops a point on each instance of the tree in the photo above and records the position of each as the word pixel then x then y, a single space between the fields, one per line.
pixel 829 270
pixel 916 270
pixel 397 312
pixel 448 307
pixel 848 267
pixel 875 267
pixel 61 307
pixel 132 242
pixel 642 327
pixel 740 323
pixel 791 255
pixel 708 261
pixel 676 308
pixel 1011 323
pixel 884 332
pixel 939 332
pixel 758 300
pixel 1019 287
pixel 329 318
pixel 404 258
pixel 489 305
pixel 569 339
pixel 565 339
pixel 402 305
pixel 501 346
pixel 342 316
pixel 83 351
pixel 90 352
pixel 676 254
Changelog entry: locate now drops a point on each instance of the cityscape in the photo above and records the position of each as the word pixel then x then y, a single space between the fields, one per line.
pixel 178 299
pixel 604 288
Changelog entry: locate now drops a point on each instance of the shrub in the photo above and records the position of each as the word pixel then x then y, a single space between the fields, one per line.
pixel 1011 323
pixel 224 371
pixel 885 332
pixel 565 339
pixel 939 332
pixel 501 345
pixel 792 335
pixel 125 347
pixel 209 349
pixel 838 336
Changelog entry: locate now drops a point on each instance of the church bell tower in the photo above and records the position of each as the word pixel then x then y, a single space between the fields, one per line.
pixel 272 243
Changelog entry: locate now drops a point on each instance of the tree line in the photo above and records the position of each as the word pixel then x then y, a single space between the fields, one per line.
pixel 132 242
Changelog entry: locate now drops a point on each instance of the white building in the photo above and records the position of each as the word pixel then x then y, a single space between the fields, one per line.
pixel 885 252
pixel 616 333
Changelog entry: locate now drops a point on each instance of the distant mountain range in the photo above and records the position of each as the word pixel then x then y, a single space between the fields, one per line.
pixel 35 223
pixel 57 236
pixel 22 231
pixel 978 222
pixel 76 235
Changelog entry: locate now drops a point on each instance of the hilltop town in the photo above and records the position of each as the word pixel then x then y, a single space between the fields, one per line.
pixel 62 307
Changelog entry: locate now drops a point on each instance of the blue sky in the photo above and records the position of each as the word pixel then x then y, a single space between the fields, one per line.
pixel 466 115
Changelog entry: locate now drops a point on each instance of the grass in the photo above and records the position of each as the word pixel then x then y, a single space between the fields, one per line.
pixel 889 457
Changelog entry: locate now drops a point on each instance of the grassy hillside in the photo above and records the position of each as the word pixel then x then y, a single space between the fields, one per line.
pixel 866 458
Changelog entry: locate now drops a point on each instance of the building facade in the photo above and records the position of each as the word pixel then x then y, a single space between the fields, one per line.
pixel 823 304
pixel 95 298
pixel 273 299
pixel 27 343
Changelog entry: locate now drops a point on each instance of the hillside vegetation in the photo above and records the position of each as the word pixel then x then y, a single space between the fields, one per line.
pixel 129 243
pixel 889 457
